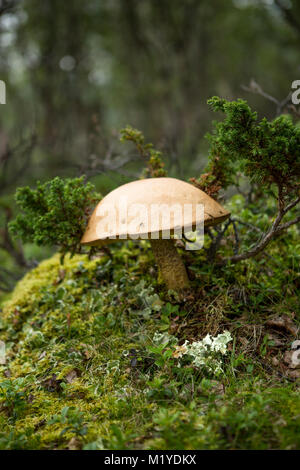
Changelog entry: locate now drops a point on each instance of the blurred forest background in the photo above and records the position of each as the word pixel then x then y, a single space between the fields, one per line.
pixel 77 72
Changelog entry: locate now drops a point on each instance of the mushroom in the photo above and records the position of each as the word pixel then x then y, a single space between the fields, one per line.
pixel 151 209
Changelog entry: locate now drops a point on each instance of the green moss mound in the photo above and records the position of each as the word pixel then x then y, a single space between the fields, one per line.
pixel 81 370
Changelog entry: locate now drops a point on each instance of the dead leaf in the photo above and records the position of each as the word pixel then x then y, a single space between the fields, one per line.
pixel 52 384
pixel 61 276
pixel 291 359
pixel 283 323
pixel 277 342
pixel 275 361
pixel 74 444
pixel 244 342
pixel 71 376
pixel 293 374
pixel 30 398
pixel 179 351
pixel 16 316
pixel 217 387
pixel 40 424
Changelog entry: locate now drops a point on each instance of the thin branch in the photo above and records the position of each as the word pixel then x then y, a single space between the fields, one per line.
pixel 288 15
pixel 209 232
pixel 255 88
pixel 247 224
pixel 211 252
pixel 7 244
pixel 282 227
pixel 236 236
pixel 291 205
pixel 22 152
pixel 274 230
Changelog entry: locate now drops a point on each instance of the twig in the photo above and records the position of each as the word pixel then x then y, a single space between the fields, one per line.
pixel 282 227
pixel 247 224
pixel 23 149
pixel 7 244
pixel 211 252
pixel 273 231
pixel 254 87
pixel 236 236
pixel 290 18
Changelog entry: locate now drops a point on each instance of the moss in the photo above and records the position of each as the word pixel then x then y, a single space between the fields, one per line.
pixel 79 361
pixel 46 274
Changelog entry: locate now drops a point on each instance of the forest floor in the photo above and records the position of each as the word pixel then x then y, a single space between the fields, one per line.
pixel 95 354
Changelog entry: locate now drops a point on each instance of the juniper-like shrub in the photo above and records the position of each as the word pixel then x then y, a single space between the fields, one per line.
pixel 55 213
pixel 267 152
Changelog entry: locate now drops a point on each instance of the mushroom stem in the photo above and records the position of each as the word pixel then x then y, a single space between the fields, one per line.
pixel 170 264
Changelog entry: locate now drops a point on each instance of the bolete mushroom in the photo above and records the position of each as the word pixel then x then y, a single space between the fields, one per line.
pixel 155 209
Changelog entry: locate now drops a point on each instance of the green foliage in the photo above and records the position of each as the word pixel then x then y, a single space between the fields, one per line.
pixel 155 165
pixel 73 421
pixel 55 213
pixel 268 152
pixel 13 396
pixel 103 371
pixel 15 441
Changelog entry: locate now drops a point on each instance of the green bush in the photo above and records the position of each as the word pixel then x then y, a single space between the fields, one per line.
pixel 55 213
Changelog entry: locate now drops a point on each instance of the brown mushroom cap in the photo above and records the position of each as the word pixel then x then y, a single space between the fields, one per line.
pixel 149 192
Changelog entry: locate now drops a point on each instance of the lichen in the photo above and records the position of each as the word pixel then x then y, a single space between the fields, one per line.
pixel 81 361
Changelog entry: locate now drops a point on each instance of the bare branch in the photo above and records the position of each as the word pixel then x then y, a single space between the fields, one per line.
pixel 247 224
pixel 15 250
pixel 236 236
pixel 96 166
pixel 255 88
pixel 275 229
pixel 211 252
pixel 15 161
pixel 291 205
pixel 288 15
pixel 282 227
